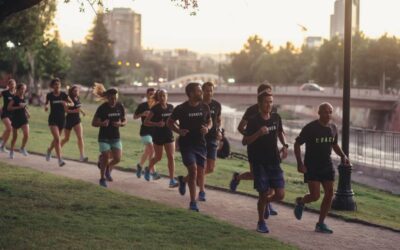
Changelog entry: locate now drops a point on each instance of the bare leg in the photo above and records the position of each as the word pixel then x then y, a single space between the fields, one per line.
pixel 67 133
pixel 170 150
pixel 7 131
pixel 25 131
pixel 327 200
pixel 79 136
pixel 158 152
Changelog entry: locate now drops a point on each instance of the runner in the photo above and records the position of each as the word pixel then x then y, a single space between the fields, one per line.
pixel 145 133
pixel 249 113
pixel 73 121
pixel 262 132
pixel 162 135
pixel 59 102
pixel 19 119
pixel 109 117
pixel 5 114
pixel 320 137
pixel 194 123
pixel 213 136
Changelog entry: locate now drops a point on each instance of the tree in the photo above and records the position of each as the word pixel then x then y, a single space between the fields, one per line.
pixel 96 60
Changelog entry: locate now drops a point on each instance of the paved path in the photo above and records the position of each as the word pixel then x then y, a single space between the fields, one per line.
pixel 233 208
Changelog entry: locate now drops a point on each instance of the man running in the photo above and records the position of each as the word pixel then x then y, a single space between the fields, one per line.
pixel 248 114
pixel 262 133
pixel 212 137
pixel 194 123
pixel 320 137
pixel 145 133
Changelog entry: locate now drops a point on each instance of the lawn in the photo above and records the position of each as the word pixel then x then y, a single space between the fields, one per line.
pixel 44 211
pixel 373 205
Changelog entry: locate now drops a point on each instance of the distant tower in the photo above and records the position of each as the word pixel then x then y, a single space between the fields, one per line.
pixel 337 18
pixel 124 29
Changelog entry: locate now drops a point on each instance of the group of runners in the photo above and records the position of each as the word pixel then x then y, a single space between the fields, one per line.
pixel 197 122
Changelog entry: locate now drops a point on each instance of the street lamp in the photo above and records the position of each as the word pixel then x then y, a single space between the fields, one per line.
pixel 11 46
pixel 344 195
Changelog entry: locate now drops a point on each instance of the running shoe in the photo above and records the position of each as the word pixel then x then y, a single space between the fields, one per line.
pixel 173 183
pixel 234 182
pixel 182 185
pixel 61 162
pixel 103 183
pixel 262 227
pixel 108 175
pixel 298 209
pixel 156 176
pixel 48 155
pixel 323 228
pixel 11 154
pixel 138 170
pixel 3 149
pixel 193 206
pixel 85 159
pixel 24 152
pixel 271 210
pixel 146 174
pixel 202 196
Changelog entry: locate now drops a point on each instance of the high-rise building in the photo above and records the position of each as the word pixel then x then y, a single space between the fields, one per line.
pixel 313 41
pixel 337 18
pixel 124 29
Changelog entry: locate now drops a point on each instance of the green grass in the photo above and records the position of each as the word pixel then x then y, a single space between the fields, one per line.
pixel 373 205
pixel 44 211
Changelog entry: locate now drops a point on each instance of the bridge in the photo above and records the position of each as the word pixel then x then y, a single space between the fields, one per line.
pixel 380 109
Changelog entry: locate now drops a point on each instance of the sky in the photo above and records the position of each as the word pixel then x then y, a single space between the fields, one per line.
pixel 223 26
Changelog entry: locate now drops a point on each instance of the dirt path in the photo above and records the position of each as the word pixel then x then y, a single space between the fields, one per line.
pixel 233 208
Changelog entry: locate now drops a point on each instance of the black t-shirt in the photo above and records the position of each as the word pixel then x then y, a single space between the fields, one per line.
pixel 192 119
pixel 77 105
pixel 7 97
pixel 19 115
pixel 144 130
pixel 114 114
pixel 319 140
pixel 159 113
pixel 265 148
pixel 215 111
pixel 57 105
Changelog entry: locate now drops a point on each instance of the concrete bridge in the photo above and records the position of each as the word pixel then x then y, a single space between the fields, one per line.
pixel 380 109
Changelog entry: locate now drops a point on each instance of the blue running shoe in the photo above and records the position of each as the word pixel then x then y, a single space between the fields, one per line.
pixel 156 176
pixel 107 174
pixel 146 174
pixel 138 170
pixel 193 206
pixel 298 209
pixel 182 185
pixel 271 210
pixel 173 183
pixel 103 183
pixel 202 196
pixel 323 228
pixel 262 227
pixel 234 182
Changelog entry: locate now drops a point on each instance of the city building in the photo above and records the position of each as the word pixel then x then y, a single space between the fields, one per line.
pixel 337 18
pixel 313 41
pixel 124 29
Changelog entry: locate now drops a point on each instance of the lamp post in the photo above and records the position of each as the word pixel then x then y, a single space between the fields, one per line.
pixel 344 195
pixel 11 46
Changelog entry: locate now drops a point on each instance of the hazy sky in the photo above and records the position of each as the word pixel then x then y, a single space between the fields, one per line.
pixel 224 25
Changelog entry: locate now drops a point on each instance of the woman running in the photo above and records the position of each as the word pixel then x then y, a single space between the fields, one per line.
pixel 59 102
pixel 5 114
pixel 73 121
pixel 109 117
pixel 162 135
pixel 19 119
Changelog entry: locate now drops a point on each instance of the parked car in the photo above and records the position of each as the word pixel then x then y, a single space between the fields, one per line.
pixel 311 87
